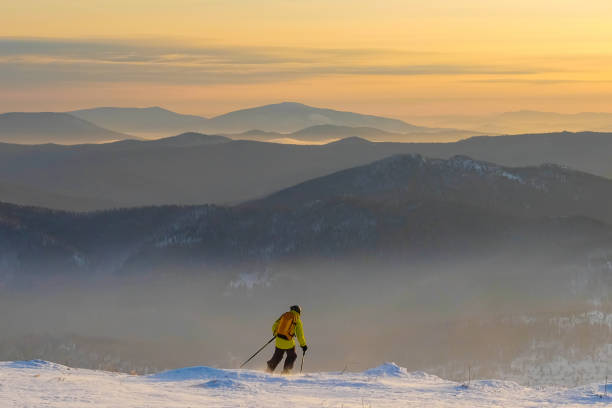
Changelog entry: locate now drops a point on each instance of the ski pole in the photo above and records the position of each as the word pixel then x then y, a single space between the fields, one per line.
pixel 302 365
pixel 257 352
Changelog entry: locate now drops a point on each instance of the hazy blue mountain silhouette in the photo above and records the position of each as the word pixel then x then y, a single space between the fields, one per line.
pixel 51 127
pixel 142 120
pixel 282 117
pixel 291 116
pixel 322 133
pixel 274 121
pixel 317 133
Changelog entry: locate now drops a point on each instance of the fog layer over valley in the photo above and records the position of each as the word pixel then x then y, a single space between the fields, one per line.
pixel 435 264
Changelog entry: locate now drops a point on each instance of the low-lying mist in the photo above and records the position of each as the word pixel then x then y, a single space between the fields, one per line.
pixel 496 314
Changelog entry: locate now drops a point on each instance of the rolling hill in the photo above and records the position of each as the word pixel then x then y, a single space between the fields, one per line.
pixel 197 169
pixel 152 120
pixel 51 127
pixel 282 118
pixel 290 117
pixel 541 191
pixel 326 133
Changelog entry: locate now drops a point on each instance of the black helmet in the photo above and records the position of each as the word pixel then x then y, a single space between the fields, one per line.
pixel 296 308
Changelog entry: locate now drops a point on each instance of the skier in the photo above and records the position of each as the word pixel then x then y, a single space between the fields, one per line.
pixel 285 328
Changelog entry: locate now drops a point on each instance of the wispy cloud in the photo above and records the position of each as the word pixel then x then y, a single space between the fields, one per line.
pixel 39 61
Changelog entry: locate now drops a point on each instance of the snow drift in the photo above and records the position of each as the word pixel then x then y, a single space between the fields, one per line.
pixel 42 383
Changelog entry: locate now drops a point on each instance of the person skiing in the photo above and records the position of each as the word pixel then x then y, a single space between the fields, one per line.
pixel 284 329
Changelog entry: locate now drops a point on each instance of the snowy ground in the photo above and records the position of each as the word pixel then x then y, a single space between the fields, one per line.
pixel 42 384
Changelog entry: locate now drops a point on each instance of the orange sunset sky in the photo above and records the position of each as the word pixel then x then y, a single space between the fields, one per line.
pixel 390 57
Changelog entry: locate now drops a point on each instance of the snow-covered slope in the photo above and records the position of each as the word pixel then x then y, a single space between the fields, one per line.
pixel 39 383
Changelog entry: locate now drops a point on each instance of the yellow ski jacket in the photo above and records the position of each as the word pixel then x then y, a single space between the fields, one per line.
pixel 299 332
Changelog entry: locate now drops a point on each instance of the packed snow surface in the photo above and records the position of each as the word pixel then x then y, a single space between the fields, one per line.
pixel 40 383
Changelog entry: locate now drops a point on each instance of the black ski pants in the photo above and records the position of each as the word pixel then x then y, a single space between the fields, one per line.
pixel 278 356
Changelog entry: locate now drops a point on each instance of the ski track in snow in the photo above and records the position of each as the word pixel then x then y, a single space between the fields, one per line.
pixel 40 383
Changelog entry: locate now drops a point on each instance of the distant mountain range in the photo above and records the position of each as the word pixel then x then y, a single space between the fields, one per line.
pixel 283 117
pixel 326 133
pixel 317 133
pixel 197 169
pixel 524 121
pixel 284 121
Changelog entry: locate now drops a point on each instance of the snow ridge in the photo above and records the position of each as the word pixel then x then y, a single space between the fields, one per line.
pixel 41 383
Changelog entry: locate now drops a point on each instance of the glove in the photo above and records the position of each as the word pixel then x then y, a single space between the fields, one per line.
pixel 304 348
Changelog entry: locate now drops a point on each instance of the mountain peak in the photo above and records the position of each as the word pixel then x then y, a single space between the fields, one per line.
pixel 290 103
pixel 193 139
pixel 517 191
pixel 281 106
